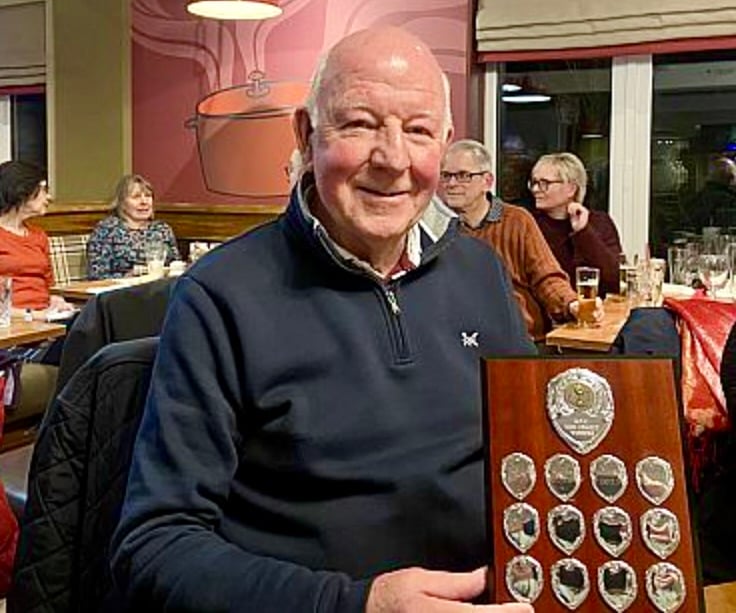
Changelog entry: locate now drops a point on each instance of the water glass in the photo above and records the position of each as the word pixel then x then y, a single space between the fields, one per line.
pixel 155 258
pixel 713 271
pixel 586 284
pixel 6 300
pixel 676 264
pixel 657 267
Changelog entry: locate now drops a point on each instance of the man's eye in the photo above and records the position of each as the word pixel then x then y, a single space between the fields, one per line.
pixel 357 124
pixel 420 130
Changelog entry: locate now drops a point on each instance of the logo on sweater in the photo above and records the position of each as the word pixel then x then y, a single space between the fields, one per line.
pixel 469 340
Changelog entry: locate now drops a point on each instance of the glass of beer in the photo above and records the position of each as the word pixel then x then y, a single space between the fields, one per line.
pixel 586 284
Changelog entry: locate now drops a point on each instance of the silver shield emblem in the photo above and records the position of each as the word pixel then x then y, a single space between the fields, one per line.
pixel 524 578
pixel 665 586
pixel 580 406
pixel 566 527
pixel 570 582
pixel 518 474
pixel 617 584
pixel 660 531
pixel 612 529
pixel 521 525
pixel 562 475
pixel 654 479
pixel 608 475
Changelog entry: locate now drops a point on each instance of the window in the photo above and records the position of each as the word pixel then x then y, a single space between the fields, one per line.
pixel 23 127
pixel 547 107
pixel 693 143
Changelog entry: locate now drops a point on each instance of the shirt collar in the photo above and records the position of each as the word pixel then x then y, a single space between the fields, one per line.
pixel 410 259
pixel 495 211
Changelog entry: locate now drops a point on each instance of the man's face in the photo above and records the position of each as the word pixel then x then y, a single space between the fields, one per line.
pixel 377 146
pixel 465 185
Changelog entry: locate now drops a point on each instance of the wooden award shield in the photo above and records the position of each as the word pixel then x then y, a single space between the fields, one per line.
pixel 586 486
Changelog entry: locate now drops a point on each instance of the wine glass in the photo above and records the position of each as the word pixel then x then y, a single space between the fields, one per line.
pixel 713 271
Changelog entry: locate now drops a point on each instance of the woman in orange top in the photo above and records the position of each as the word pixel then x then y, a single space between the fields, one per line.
pixel 24 249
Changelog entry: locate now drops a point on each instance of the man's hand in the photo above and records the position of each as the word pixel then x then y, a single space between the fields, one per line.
pixel 578 216
pixel 574 308
pixel 418 590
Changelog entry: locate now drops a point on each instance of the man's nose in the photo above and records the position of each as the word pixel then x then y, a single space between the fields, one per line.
pixel 390 150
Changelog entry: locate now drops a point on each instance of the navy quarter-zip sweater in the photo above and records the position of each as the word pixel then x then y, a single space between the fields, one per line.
pixel 309 427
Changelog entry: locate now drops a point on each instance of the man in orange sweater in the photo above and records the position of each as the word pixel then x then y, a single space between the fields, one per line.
pixel 541 287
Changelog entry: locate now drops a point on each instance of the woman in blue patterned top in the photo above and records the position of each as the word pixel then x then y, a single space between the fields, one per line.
pixel 118 242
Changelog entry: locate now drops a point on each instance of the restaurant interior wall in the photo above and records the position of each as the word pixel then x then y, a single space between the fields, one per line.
pixel 89 97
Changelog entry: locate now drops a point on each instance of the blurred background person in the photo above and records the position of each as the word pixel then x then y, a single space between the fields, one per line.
pixel 118 242
pixel 541 288
pixel 577 235
pixel 24 248
pixel 715 203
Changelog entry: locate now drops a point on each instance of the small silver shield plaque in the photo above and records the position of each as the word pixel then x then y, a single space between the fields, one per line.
pixel 518 474
pixel 660 531
pixel 566 527
pixel 562 475
pixel 580 406
pixel 570 582
pixel 617 584
pixel 524 578
pixel 665 586
pixel 654 479
pixel 612 529
pixel 521 525
pixel 608 475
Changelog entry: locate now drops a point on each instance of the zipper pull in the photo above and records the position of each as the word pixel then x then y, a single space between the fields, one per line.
pixel 393 303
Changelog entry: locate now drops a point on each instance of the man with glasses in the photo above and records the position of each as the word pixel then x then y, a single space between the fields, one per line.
pixel 541 287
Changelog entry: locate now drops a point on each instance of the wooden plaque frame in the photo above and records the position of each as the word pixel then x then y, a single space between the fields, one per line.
pixel 647 421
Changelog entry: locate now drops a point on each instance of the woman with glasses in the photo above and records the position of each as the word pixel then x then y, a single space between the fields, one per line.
pixel 24 248
pixel 576 235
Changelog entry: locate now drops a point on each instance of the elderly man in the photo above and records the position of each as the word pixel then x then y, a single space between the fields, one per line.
pixel 312 438
pixel 541 287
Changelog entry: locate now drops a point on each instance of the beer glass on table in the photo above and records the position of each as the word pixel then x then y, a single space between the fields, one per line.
pixel 586 284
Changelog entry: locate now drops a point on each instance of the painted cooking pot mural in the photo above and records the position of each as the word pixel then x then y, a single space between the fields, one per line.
pixel 245 136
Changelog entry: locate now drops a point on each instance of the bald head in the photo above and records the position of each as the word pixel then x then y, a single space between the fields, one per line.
pixel 372 135
pixel 377 49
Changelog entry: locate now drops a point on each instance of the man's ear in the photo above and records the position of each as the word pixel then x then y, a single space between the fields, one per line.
pixel 303 131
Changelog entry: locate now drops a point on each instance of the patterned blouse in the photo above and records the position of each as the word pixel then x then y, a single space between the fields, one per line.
pixel 114 249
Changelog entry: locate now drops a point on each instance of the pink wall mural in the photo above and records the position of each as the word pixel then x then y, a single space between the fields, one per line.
pixel 212 100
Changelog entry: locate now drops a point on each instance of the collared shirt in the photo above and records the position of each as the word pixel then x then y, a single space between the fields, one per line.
pixel 541 287
pixel 410 257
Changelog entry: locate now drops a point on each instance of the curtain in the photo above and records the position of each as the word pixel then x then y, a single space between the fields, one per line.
pixel 22 44
pixel 533 25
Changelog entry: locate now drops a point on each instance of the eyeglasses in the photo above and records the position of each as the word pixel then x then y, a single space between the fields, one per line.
pixel 461 177
pixel 542 184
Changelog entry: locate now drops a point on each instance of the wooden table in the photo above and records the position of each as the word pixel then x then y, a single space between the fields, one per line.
pixel 23 332
pixel 720 598
pixel 81 291
pixel 599 337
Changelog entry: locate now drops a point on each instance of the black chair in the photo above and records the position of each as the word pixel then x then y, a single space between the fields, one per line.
pixel 111 317
pixel 77 484
pixel 717 500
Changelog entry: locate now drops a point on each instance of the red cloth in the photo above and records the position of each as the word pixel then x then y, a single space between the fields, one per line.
pixel 27 260
pixel 8 523
pixel 704 326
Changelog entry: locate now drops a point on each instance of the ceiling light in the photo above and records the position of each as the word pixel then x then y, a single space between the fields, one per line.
pixel 510 87
pixel 235 9
pixel 526 98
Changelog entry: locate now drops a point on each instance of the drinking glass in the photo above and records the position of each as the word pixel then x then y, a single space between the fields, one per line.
pixel 713 271
pixel 656 280
pixel 155 258
pixel 676 264
pixel 6 299
pixel 586 284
